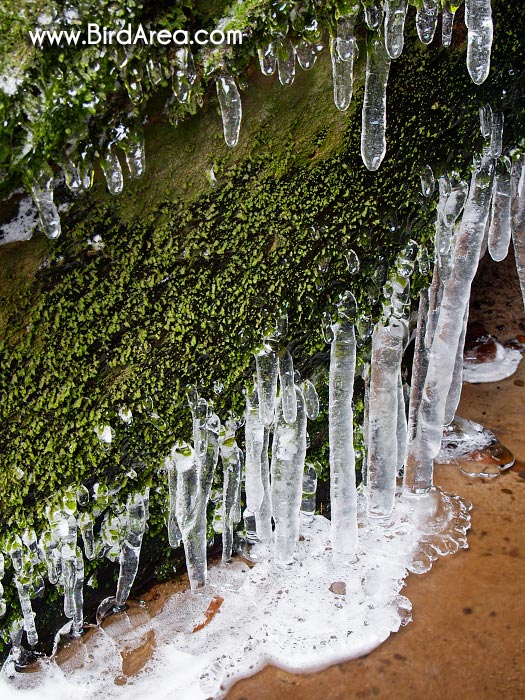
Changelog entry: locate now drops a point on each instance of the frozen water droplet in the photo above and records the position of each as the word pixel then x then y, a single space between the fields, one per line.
pixel 395 14
pixel 427 181
pixel 285 61
pixel 267 58
pixel 231 108
pixel 352 262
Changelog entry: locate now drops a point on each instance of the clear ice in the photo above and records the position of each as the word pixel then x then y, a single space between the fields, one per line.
pixel 110 164
pixel 518 217
pixel 426 20
pixel 373 122
pixel 343 496
pixel 130 547
pixel 395 14
pixel 288 457
pixel 231 457
pixel 267 366
pixel 287 384
pixel 285 61
pixel 500 228
pixel 478 18
pixel 42 193
pixel 231 108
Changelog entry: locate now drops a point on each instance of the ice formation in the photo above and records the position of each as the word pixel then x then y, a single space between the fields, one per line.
pixel 478 18
pixel 373 123
pixel 42 193
pixel 231 108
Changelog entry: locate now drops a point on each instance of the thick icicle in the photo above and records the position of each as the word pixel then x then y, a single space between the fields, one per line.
pixel 231 498
pixel 112 170
pixel 231 108
pixel 267 58
pixel 42 193
pixel 288 455
pixel 130 548
pixel 193 493
pixel 373 122
pixel 478 18
pixel 387 350
pixel 343 50
pixel 426 20
pixel 518 218
pixel 285 61
pixel 343 496
pixel 456 290
pixel 72 177
pixel 85 525
pixel 267 365
pixel 286 379
pixel 395 13
pixel 500 229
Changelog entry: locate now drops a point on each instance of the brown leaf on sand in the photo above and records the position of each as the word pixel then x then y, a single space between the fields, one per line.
pixel 134 659
pixel 211 611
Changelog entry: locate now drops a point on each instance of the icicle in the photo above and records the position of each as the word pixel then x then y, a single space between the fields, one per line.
pixel 518 218
pixel 401 428
pixel 311 399
pixel 184 74
pixel 267 58
pixel 267 364
pixel 419 366
pixel 286 378
pixel 426 20
pixel 130 548
pixel 478 18
pixel 374 14
pixel 112 170
pixel 254 440
pixel 231 108
pixel 352 262
pixel 200 413
pixel 373 128
pixel 42 193
pixel 343 49
pixel 447 23
pixel 387 350
pixel 288 455
pixel 285 61
pixel 24 588
pixel 500 229
pixel 264 516
pixel 72 177
pixel 85 525
pixel 395 13
pixel 231 499
pixel 133 82
pixel 456 290
pixel 306 54
pixel 427 181
pixel 496 134
pixel 85 170
pixel 194 481
pixel 343 496
pixel 174 533
pixel 456 384
pixel 133 147
pixel 309 492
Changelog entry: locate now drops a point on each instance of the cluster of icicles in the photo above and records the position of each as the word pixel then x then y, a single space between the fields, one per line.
pixel 279 483
pixel 386 19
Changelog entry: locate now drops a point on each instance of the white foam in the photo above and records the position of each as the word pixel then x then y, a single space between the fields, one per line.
pixel 284 615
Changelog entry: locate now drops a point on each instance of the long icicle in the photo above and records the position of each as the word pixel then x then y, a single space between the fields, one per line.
pixel 426 443
pixel 343 496
pixel 373 120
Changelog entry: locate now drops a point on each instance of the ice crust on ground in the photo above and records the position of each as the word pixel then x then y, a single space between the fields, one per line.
pixel 503 366
pixel 286 615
